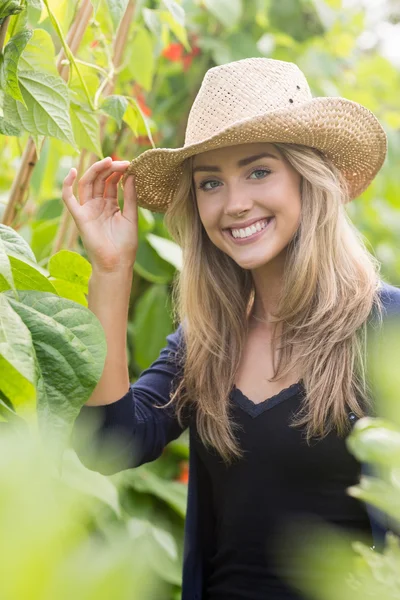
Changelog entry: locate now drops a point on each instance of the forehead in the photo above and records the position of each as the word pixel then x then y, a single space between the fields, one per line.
pixel 232 153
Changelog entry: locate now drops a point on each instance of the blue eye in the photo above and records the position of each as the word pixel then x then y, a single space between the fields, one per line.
pixel 204 183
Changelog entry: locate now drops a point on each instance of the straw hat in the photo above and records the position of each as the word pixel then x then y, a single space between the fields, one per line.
pixel 264 100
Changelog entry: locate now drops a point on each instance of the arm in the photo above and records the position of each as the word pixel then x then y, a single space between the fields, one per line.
pixel 131 431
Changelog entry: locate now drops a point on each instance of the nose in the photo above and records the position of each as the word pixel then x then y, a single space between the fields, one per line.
pixel 237 201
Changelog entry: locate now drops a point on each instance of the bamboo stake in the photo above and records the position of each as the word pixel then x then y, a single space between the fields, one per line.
pixel 20 187
pixel 119 45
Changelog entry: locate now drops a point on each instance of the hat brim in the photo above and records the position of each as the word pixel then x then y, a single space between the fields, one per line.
pixel 345 131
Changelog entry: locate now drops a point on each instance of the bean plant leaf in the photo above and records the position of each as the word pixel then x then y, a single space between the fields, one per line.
pixel 6 277
pixel 10 7
pixel 17 357
pixel 14 244
pixel 117 10
pixel 72 268
pixel 167 249
pixel 115 106
pixel 39 54
pixel 176 11
pixel 86 129
pixel 9 64
pixel 8 129
pixel 47 100
pixel 70 348
pixel 28 277
pixel 228 12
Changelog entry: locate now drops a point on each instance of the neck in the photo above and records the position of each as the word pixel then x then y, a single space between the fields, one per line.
pixel 268 285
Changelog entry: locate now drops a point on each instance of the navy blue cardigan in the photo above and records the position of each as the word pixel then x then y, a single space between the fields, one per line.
pixel 143 431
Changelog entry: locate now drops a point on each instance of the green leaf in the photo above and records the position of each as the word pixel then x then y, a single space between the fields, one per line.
pixel 178 30
pixel 39 54
pixel 6 276
pixel 228 12
pixel 117 10
pixel 95 4
pixel 176 11
pixel 115 106
pixel 47 100
pixel 9 64
pixel 14 244
pixel 379 493
pixel 8 129
pixel 93 484
pixel 131 118
pixel 43 234
pixel 167 249
pixel 86 128
pixel 143 480
pixel 152 307
pixel 142 63
pixel 70 291
pixel 28 276
pixel 10 7
pixel 72 268
pixel 17 357
pixel 150 266
pixel 37 4
pixel 70 348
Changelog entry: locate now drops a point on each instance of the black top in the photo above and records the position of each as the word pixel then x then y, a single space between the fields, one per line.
pixel 281 481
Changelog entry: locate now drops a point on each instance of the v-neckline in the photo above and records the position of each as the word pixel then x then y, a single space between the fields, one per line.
pixel 254 409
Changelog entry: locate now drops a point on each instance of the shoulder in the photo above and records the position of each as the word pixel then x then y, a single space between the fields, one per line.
pixel 390 299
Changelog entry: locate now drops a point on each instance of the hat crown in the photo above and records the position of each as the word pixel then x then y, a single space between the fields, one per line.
pixel 244 89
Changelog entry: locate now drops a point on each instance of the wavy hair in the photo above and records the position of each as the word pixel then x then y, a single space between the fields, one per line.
pixel 330 286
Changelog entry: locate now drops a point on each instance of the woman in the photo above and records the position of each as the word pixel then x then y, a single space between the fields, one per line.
pixel 276 291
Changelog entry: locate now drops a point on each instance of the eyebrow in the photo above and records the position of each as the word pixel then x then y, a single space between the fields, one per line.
pixel 241 163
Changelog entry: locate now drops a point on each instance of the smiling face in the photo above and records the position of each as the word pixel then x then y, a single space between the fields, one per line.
pixel 257 182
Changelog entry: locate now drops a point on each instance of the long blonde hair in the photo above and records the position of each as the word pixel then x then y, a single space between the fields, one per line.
pixel 330 287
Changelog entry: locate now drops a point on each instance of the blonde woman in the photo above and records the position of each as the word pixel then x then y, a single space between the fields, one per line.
pixel 267 365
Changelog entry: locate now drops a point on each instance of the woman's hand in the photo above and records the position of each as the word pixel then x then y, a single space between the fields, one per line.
pixel 110 236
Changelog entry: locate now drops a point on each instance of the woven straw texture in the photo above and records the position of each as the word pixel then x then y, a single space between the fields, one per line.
pixel 264 100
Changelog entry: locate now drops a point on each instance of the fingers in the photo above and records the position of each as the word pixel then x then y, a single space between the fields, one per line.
pixel 92 183
pixel 130 210
pixel 99 182
pixel 111 186
pixel 68 195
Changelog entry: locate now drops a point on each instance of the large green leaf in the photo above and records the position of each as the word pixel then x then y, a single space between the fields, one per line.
pixel 167 249
pixel 86 127
pixel 228 12
pixel 39 54
pixel 70 347
pixel 117 10
pixel 142 63
pixel 150 266
pixel 17 357
pixel 115 106
pixel 14 244
pixel 9 64
pixel 47 100
pixel 91 483
pixel 72 268
pixel 28 276
pixel 6 277
pixel 151 324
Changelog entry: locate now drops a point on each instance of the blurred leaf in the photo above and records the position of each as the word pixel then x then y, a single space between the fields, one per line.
pixel 167 249
pixel 228 12
pixel 152 323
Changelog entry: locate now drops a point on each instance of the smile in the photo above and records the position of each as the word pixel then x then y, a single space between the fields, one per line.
pixel 249 234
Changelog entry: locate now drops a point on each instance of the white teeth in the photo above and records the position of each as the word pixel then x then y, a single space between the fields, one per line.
pixel 243 233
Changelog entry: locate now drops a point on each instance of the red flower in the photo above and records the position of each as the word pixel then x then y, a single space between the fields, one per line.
pixel 183 476
pixel 94 44
pixel 173 52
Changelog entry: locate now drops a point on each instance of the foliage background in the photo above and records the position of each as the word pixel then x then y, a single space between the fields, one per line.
pixel 169 46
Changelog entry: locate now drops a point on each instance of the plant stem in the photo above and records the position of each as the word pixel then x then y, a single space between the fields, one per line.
pixel 3 32
pixel 68 52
